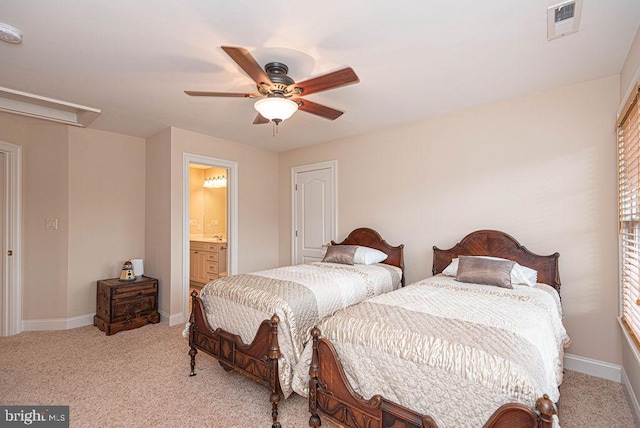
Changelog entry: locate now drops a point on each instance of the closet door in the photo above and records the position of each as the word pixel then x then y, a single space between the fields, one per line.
pixel 315 208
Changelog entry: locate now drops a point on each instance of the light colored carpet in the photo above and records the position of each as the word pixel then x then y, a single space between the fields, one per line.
pixel 139 378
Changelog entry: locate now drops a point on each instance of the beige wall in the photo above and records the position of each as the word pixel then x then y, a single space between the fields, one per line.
pixel 541 168
pixel 631 70
pixel 76 176
pixel 257 194
pixel 158 261
pixel 44 195
pixel 257 207
pixel 631 364
pixel 117 197
pixel 106 210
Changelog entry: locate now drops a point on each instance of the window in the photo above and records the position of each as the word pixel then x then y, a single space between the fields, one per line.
pixel 629 212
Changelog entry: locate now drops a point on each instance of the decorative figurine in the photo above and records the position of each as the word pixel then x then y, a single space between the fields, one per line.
pixel 127 273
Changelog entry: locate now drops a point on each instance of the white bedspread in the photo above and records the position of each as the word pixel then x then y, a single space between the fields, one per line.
pixel 452 350
pixel 300 295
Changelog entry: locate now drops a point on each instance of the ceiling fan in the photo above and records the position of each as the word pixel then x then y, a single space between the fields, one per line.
pixel 279 95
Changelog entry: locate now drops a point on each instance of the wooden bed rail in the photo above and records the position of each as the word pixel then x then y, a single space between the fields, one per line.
pixel 258 360
pixel 331 394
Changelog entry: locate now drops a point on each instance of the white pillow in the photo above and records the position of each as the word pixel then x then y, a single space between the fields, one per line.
pixel 519 274
pixel 368 256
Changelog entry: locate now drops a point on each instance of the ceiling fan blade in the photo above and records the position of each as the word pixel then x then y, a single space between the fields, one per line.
pixel 343 77
pixel 260 119
pixel 247 62
pixel 220 94
pixel 318 109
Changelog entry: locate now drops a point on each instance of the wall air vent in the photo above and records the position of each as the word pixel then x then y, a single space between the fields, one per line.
pixel 563 19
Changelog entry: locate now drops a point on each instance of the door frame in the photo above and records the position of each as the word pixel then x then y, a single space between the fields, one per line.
pixel 232 218
pixel 333 167
pixel 12 226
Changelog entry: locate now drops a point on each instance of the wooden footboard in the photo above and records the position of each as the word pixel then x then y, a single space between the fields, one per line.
pixel 258 360
pixel 331 395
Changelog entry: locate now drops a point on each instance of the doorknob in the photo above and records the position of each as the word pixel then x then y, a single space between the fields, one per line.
pixel 10 253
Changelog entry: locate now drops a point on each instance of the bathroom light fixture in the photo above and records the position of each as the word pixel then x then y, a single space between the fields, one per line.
pixel 217 182
pixel 276 108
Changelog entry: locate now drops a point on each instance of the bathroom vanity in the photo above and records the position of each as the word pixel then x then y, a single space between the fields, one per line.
pixel 207 259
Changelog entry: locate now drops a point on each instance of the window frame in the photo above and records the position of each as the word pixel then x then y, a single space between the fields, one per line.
pixel 628 159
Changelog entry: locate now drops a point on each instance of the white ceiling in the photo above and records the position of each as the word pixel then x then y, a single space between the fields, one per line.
pixel 134 58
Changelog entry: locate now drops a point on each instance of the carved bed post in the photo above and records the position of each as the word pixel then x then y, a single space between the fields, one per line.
pixel 192 326
pixel 314 420
pixel 274 356
pixel 546 408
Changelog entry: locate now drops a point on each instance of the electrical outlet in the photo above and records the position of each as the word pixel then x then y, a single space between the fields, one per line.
pixel 51 223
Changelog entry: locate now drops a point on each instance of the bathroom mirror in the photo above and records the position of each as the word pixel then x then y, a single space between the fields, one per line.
pixel 208 213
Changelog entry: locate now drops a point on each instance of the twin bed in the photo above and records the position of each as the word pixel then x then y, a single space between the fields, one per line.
pixel 445 351
pixel 262 320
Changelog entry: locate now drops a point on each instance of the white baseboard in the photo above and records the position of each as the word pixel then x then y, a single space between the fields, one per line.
pixel 631 396
pixel 593 367
pixel 57 323
pixel 81 321
pixel 172 319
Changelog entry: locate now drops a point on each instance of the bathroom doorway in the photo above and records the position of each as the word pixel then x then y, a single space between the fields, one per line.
pixel 207 223
pixel 210 217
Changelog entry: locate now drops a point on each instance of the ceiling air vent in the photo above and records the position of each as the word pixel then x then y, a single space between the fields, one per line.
pixel 563 19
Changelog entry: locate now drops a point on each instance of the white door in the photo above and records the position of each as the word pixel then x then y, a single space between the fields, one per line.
pixel 314 210
pixel 10 239
pixel 3 248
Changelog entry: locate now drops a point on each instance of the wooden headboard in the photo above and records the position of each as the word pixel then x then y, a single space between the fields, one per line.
pixel 372 239
pixel 498 244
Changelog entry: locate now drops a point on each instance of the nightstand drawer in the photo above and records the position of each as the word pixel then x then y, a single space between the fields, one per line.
pixel 133 290
pixel 134 307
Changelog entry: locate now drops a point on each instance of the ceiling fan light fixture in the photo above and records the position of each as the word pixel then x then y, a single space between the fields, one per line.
pixel 276 109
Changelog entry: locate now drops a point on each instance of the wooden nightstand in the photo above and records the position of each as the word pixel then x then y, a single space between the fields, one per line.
pixel 125 305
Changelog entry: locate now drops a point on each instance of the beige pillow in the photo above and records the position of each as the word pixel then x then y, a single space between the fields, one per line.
pixel 479 270
pixel 340 254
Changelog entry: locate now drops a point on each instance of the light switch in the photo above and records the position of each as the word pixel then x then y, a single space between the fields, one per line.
pixel 51 223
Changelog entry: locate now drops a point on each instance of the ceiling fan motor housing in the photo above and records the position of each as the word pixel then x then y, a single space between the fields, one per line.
pixel 277 72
